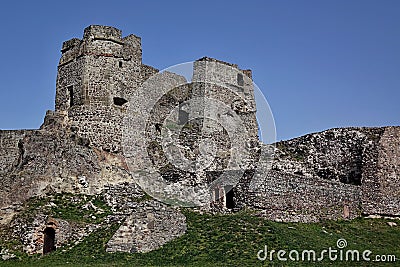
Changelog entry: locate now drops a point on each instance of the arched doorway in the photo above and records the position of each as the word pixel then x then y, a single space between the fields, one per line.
pixel 49 239
pixel 229 197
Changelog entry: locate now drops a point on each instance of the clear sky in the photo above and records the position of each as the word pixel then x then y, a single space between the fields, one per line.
pixel 321 64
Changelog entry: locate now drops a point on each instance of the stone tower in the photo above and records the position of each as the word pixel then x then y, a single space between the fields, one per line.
pixel 96 76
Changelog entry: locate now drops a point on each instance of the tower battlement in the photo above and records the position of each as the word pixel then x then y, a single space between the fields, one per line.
pixel 98 66
pixel 96 77
pixel 102 41
pixel 102 32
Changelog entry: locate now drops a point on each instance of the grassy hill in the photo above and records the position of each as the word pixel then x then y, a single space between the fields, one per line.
pixel 235 240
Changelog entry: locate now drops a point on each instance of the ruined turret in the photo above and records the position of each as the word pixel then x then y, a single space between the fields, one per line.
pixel 96 76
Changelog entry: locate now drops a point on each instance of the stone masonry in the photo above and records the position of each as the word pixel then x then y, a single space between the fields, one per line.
pixel 335 174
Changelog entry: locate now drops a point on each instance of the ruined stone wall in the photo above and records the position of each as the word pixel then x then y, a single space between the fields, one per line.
pixel 69 81
pixel 332 174
pixel 381 180
pixel 151 225
pixel 95 126
pixel 227 83
pixel 285 197
pixel 147 71
pixel 336 154
pixel 234 129
pixel 46 160
pixel 365 157
pixel 53 162
pixel 31 234
pixel 10 149
pixel 208 110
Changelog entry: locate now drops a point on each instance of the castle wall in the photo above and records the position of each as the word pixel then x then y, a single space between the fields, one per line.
pixel 343 154
pixel 287 197
pixel 99 127
pixel 341 172
pixel 9 149
pixel 225 82
pixel 381 185
pixel 147 71
pixel 234 109
pixel 69 77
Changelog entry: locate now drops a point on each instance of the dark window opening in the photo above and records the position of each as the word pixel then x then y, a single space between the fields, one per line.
pixel 240 80
pixel 354 177
pixel 120 64
pixel 70 90
pixel 183 116
pixel 150 225
pixel 158 127
pixel 229 197
pixel 298 172
pixel 216 194
pixel 119 101
pixel 49 240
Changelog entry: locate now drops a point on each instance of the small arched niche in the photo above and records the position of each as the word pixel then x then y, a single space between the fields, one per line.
pixel 49 240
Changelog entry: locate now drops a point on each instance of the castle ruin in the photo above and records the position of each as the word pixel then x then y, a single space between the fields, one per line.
pixel 336 174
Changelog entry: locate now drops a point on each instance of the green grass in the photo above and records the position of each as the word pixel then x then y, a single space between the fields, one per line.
pixel 68 207
pixel 233 240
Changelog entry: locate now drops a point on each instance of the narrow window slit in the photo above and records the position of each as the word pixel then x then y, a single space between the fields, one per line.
pixel 229 197
pixel 70 92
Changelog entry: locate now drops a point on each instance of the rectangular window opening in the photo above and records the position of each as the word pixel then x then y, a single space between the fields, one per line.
pixel 70 90
pixel 119 101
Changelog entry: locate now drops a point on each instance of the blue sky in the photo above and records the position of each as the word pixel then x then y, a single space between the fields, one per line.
pixel 320 64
